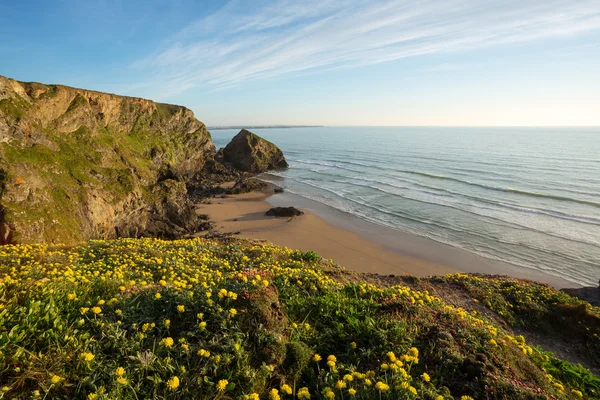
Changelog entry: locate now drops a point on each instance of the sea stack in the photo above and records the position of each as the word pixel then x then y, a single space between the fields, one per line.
pixel 251 153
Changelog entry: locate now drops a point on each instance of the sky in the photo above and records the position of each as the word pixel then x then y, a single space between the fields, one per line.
pixel 321 62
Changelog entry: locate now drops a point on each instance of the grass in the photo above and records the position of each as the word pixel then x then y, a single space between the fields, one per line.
pixel 15 107
pixel 145 318
pixel 536 307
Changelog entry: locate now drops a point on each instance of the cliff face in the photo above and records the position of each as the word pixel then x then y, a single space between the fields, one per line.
pixel 78 164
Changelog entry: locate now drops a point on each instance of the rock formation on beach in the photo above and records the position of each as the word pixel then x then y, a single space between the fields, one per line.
pixel 249 152
pixel 78 164
pixel 284 212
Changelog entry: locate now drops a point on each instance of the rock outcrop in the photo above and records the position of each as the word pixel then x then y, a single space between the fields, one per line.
pixel 78 164
pixel 251 153
pixel 284 212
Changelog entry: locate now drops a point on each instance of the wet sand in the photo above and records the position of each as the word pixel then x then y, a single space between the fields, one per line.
pixel 351 242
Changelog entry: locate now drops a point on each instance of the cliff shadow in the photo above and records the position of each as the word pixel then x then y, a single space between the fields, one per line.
pixel 6 233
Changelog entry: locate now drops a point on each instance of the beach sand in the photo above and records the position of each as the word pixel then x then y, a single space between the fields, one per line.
pixel 351 242
pixel 246 213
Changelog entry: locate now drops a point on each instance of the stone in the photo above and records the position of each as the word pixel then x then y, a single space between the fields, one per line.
pixel 284 212
pixel 251 153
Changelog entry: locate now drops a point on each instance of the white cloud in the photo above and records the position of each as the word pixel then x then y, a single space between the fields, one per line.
pixel 240 43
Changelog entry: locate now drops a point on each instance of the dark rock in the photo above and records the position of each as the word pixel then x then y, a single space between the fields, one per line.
pixel 245 185
pixel 590 294
pixel 284 212
pixel 278 190
pixel 251 153
pixel 169 213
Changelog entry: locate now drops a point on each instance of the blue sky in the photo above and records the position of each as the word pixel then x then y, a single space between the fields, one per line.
pixel 344 62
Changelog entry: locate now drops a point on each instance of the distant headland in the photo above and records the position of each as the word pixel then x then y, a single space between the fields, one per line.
pixel 262 126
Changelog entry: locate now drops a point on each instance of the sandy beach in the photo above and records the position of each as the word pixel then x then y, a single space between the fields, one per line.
pixel 246 213
pixel 355 244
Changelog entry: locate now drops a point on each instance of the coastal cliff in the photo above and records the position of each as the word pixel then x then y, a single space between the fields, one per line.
pixel 78 164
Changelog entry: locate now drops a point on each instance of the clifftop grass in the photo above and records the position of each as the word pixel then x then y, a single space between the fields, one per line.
pixel 145 318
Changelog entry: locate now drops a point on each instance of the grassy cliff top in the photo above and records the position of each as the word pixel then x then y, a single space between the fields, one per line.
pixel 145 318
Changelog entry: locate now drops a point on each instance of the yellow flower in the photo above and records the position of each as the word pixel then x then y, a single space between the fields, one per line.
pixel 340 385
pixel 86 356
pixel 173 383
pixel 92 396
pixel 466 398
pixel 232 312
pixel 303 393
pixel 493 342
pixel 440 397
pixel 71 296
pixel 252 396
pixel 413 352
pixel 274 394
pixel 222 385
pixel 120 371
pixel 577 393
pixel 122 380
pixel 181 308
pixel 157 296
pixel 55 379
pixel 96 310
pixel 328 393
pixel 316 358
pixel 426 377
pixel 167 322
pixel 204 353
pixel 265 283
pixel 353 345
pixel 351 392
pixel 84 310
pixel 167 342
pixel 382 387
pixel 287 389
pixel 412 390
pixel 202 325
pixel 348 378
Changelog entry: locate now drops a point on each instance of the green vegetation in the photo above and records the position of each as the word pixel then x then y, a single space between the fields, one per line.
pixel 167 110
pixel 77 101
pixel 537 307
pixel 144 318
pixel 14 107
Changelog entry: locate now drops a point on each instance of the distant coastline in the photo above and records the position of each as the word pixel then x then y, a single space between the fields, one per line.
pixel 214 128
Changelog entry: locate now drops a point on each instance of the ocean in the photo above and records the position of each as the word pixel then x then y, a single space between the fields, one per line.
pixel 525 196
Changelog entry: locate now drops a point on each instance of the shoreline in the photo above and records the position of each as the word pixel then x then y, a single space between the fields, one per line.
pixel 352 242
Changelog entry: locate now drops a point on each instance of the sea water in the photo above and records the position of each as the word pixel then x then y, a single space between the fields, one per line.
pixel 526 196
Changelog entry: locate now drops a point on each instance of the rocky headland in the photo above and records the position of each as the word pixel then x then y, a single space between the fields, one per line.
pixel 77 164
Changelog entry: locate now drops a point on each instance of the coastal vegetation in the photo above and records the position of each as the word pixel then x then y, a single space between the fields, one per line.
pixel 234 319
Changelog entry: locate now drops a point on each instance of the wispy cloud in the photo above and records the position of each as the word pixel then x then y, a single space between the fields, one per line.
pixel 241 43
